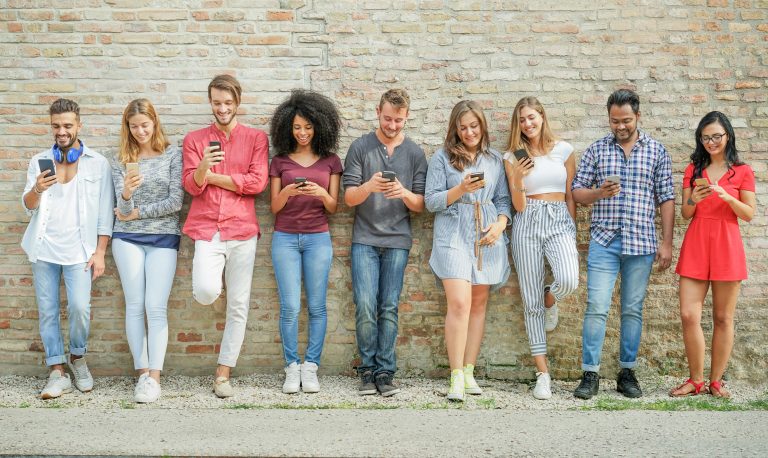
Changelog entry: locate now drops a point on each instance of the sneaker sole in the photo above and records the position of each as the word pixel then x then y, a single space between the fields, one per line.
pixel 389 393
pixel 473 391
pixel 543 398
pixel 290 391
pixel 50 396
pixel 367 392
pixel 455 398
pixel 583 395
pixel 312 390
pixel 630 395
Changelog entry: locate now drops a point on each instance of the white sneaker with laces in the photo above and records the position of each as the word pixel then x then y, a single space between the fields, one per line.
pixel 309 381
pixel 57 385
pixel 470 384
pixel 138 390
pixel 456 392
pixel 292 378
pixel 83 379
pixel 149 392
pixel 542 390
pixel 550 318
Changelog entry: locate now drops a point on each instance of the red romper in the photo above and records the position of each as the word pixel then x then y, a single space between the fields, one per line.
pixel 712 247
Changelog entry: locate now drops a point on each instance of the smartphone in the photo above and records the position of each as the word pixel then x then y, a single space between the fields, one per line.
pixel 131 166
pixel 216 146
pixel 46 164
pixel 701 182
pixel 520 154
pixel 300 181
pixel 477 176
pixel 613 179
pixel 388 175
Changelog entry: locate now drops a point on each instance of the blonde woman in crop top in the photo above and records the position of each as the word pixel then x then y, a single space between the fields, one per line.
pixel 539 172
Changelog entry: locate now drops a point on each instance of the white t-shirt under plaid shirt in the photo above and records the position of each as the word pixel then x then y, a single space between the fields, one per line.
pixel 646 181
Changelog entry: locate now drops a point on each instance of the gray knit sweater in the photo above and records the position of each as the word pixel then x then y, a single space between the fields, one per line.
pixel 158 199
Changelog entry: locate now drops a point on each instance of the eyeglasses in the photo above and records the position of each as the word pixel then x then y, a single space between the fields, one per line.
pixel 714 139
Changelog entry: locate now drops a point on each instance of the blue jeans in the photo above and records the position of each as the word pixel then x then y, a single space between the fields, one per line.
pixel 603 265
pixel 292 256
pixel 377 280
pixel 77 280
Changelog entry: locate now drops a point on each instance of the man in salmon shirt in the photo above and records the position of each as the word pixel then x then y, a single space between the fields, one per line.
pixel 224 179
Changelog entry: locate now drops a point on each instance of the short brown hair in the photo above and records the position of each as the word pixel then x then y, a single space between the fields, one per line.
pixel 226 83
pixel 64 106
pixel 397 98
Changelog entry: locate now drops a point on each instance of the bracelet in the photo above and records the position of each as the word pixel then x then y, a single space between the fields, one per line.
pixel 34 188
pixel 523 189
pixel 691 202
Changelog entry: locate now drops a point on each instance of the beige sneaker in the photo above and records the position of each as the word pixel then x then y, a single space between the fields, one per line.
pixel 58 384
pixel 222 388
pixel 470 384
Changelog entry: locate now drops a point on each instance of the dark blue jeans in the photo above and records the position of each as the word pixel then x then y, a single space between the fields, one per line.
pixel 377 280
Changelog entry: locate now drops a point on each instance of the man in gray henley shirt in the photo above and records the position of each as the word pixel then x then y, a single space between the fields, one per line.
pixel 384 177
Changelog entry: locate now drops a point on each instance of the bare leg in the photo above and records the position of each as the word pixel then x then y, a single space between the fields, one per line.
pixel 476 328
pixel 541 363
pixel 458 294
pixel 692 294
pixel 724 296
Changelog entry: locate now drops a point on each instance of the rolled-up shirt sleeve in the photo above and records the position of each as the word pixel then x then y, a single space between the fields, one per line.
pixel 501 199
pixel 31 181
pixel 192 156
pixel 420 175
pixel 664 188
pixel 353 168
pixel 255 180
pixel 586 174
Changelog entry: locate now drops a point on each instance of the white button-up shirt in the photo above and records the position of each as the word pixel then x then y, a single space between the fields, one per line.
pixel 96 201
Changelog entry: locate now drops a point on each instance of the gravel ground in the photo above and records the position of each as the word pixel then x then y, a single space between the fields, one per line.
pixel 263 391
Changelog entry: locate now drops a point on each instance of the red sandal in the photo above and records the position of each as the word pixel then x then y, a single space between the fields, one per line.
pixel 698 388
pixel 717 389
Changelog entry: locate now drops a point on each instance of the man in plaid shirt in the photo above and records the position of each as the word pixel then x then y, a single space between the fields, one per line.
pixel 624 176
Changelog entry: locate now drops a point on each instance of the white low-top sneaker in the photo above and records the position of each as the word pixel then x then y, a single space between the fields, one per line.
pixel 83 379
pixel 138 390
pixel 149 391
pixel 542 390
pixel 309 381
pixel 57 385
pixel 292 378
pixel 550 318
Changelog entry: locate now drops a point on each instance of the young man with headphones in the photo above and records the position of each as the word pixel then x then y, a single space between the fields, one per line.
pixel 70 197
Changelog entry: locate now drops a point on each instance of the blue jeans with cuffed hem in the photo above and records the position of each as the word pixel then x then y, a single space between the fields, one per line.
pixel 377 280
pixel 604 263
pixel 294 256
pixel 77 281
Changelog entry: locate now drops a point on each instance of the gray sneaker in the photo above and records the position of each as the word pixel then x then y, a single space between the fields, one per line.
pixel 83 379
pixel 366 384
pixel 385 385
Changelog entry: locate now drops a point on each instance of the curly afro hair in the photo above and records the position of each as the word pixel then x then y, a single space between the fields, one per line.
pixel 318 110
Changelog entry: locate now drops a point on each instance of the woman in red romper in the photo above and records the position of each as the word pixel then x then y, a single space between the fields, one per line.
pixel 718 189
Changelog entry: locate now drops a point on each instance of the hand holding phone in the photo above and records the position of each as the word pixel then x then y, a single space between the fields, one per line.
pixel 131 168
pixel 388 175
pixel 613 179
pixel 47 176
pixel 477 176
pixel 701 182
pixel 521 155
pixel 218 153
pixel 300 181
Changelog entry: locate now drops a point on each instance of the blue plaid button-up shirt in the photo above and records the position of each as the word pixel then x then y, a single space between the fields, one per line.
pixel 646 181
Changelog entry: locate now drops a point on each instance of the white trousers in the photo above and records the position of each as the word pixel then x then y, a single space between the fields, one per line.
pixel 235 258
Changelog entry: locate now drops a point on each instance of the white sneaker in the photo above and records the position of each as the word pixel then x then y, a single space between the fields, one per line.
pixel 309 382
pixel 147 390
pixel 292 378
pixel 550 318
pixel 57 385
pixel 83 379
pixel 139 389
pixel 542 389
pixel 470 384
pixel 456 393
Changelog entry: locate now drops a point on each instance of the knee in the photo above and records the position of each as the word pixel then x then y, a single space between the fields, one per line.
pixel 206 294
pixel 79 310
pixel 723 321
pixel 317 311
pixel 690 318
pixel 569 284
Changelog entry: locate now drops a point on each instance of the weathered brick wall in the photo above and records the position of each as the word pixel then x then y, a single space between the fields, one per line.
pixel 685 58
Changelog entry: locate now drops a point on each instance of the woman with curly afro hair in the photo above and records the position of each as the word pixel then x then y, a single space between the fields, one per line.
pixel 304 187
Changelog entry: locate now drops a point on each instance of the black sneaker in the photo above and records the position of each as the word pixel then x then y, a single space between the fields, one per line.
pixel 385 385
pixel 626 384
pixel 590 383
pixel 366 384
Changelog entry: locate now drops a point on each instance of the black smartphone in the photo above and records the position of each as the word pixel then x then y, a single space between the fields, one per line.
pixel 300 181
pixel 46 164
pixel 477 176
pixel 216 147
pixel 520 154
pixel 388 175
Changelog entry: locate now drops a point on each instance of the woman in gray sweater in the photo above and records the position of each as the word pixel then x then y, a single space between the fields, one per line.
pixel 147 177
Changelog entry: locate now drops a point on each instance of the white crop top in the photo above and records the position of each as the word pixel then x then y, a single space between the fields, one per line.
pixel 548 173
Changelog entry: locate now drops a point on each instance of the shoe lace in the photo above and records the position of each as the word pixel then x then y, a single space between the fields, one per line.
pixel 385 379
pixel 367 377
pixel 80 370
pixel 628 377
pixel 590 377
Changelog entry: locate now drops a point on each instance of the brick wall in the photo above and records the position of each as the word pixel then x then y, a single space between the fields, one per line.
pixel 685 58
